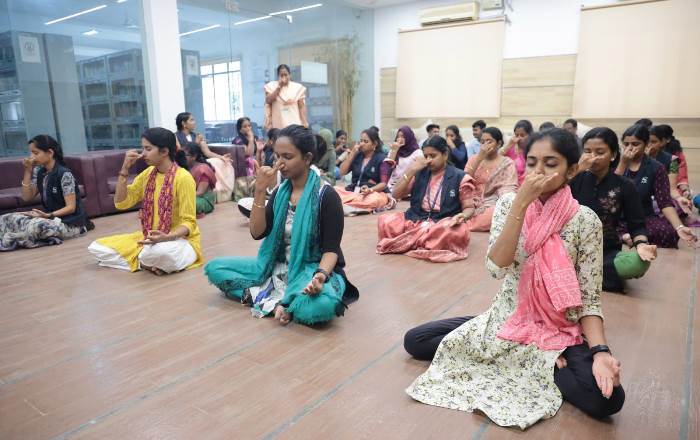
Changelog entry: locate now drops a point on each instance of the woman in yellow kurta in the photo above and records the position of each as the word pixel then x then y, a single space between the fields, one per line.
pixel 169 240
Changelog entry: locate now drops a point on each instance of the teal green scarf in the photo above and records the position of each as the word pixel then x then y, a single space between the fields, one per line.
pixel 233 274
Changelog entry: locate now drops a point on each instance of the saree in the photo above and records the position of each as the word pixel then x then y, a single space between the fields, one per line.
pixel 284 111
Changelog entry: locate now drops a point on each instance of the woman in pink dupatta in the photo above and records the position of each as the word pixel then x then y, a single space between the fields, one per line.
pixel 285 101
pixel 542 339
pixel 494 175
pixel 516 146
pixel 443 198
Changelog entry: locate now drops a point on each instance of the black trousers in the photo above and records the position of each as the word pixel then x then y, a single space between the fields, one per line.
pixel 611 280
pixel 576 381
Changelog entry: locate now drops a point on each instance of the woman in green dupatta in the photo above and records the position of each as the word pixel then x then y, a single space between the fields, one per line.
pixel 298 273
pixel 326 155
pixel 204 177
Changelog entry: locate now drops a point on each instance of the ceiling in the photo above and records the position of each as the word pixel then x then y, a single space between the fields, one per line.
pixel 374 4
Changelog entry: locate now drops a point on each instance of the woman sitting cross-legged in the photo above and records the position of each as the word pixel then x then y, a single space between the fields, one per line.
pixel 298 273
pixel 325 156
pixel 542 339
pixel 62 216
pixel 443 198
pixel 403 153
pixel 652 184
pixel 494 176
pixel 368 190
pixel 169 239
pixel 514 150
pixel 615 200
pixel 204 178
pixel 223 165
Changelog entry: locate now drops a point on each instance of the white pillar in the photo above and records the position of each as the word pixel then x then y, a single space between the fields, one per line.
pixel 162 62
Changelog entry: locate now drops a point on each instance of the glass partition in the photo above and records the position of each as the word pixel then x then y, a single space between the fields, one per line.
pixel 71 69
pixel 237 46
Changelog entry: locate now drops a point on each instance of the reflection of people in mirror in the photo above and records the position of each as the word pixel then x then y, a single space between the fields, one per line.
pixel 284 101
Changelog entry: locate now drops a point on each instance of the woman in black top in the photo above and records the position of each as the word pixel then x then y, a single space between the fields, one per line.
pixel 62 216
pixel 650 179
pixel 367 191
pixel 615 200
pixel 298 273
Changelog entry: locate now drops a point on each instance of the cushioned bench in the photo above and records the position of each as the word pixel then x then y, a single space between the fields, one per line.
pixel 12 171
pixel 97 173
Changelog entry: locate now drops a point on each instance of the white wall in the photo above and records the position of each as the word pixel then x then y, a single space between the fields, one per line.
pixel 536 28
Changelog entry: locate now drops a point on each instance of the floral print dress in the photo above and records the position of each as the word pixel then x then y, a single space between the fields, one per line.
pixel 513 384
pixel 264 298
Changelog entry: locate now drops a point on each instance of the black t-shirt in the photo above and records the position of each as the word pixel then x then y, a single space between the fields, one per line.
pixel 614 200
pixel 331 223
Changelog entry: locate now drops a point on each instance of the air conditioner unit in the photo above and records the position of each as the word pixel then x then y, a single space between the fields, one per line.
pixel 450 13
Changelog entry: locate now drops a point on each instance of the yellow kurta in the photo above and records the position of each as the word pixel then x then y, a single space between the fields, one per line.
pixel 184 214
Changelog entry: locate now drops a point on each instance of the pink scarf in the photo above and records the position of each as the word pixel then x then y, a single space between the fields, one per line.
pixel 165 202
pixel 548 285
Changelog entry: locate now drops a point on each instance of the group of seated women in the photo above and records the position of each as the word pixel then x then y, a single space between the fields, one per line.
pixel 557 227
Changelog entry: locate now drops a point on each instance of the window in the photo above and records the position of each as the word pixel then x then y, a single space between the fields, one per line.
pixel 223 91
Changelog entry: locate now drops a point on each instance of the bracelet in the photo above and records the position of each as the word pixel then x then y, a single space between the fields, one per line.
pixel 680 227
pixel 26 185
pixel 258 206
pixel 514 216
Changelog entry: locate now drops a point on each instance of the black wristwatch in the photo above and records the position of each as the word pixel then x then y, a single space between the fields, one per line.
pixel 599 348
pixel 641 241
pixel 325 274
pixel 51 216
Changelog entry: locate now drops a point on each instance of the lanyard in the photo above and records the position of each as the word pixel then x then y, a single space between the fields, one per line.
pixel 363 167
pixel 437 196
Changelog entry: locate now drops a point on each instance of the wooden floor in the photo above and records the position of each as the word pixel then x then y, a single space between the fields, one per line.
pixel 89 352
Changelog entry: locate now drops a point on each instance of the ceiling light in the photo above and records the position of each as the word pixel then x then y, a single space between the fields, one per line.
pixel 264 17
pixel 91 32
pixel 214 26
pixel 121 1
pixel 272 14
pixel 67 17
pixel 303 8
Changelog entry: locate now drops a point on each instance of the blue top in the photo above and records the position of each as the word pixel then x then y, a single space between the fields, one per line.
pixel 459 156
pixel 473 147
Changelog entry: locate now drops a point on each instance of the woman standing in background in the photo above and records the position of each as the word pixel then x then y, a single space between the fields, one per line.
pixel 285 101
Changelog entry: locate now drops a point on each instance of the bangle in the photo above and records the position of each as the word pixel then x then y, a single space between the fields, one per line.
pixel 258 206
pixel 681 226
pixel 26 185
pixel 514 216
pixel 638 242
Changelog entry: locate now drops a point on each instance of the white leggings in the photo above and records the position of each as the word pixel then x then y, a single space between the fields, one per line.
pixel 169 256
